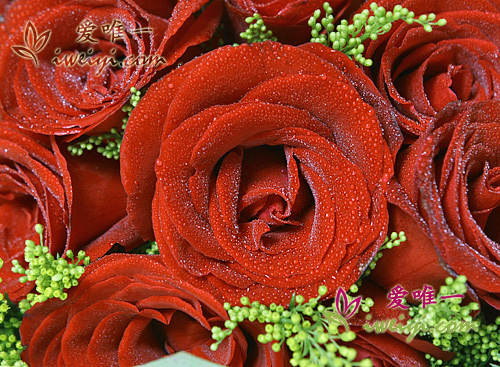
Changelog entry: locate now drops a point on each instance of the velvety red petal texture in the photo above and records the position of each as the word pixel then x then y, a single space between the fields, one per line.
pixel 404 265
pixel 76 199
pixel 33 184
pixel 286 19
pixel 449 185
pixel 421 72
pixel 127 310
pixel 70 97
pixel 268 167
pixel 385 350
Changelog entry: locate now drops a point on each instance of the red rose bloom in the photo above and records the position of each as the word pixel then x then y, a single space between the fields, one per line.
pixel 450 190
pixel 76 199
pixel 287 19
pixel 421 72
pixel 271 170
pixel 73 98
pixel 127 311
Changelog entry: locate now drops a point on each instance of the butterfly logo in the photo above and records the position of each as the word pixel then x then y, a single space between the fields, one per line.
pixel 33 43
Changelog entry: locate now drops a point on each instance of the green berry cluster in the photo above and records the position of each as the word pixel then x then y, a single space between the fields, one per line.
pixel 312 338
pixel 4 306
pixel 51 275
pixel 108 144
pixel 149 248
pixel 257 32
pixel 10 345
pixel 473 348
pixel 444 309
pixel 349 38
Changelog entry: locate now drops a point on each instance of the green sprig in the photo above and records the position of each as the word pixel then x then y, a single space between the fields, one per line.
pixel 257 30
pixel 148 248
pixel 312 338
pixel 4 306
pixel 10 343
pixel 51 275
pixel 108 144
pixel 444 309
pixel 473 348
pixel 349 38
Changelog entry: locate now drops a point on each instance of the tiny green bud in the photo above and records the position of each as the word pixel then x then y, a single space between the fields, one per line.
pixel 322 290
pixel 38 228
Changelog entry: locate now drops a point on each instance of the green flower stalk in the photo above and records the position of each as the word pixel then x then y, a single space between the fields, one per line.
pixel 444 308
pixel 4 306
pixel 10 343
pixel 473 348
pixel 349 38
pixel 312 337
pixel 257 30
pixel 148 248
pixel 108 144
pixel 51 275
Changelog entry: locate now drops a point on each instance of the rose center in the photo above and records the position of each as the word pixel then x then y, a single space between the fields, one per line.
pixel 272 187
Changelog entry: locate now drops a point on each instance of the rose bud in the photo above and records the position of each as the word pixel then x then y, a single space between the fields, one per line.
pixel 268 167
pixel 70 65
pixel 127 310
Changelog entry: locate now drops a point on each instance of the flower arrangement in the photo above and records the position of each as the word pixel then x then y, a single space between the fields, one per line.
pixel 271 184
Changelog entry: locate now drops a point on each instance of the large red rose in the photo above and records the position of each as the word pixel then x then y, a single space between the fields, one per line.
pixel 271 170
pixel 67 99
pixel 76 199
pixel 287 19
pixel 127 310
pixel 448 196
pixel 421 72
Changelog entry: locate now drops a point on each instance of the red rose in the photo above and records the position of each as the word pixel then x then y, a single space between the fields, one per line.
pixel 450 190
pixel 287 19
pixel 127 311
pixel 76 199
pixel 421 72
pixel 73 98
pixel 272 170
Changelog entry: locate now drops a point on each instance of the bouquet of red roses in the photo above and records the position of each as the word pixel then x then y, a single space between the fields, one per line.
pixel 283 183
